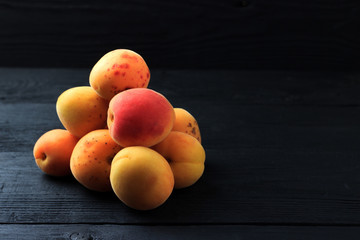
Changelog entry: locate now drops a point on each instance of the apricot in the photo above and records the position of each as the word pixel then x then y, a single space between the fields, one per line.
pixel 185 155
pixel 141 178
pixel 117 71
pixel 52 152
pixel 81 110
pixel 91 160
pixel 139 117
pixel 186 123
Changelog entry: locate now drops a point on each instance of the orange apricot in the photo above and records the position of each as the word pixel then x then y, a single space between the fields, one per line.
pixel 117 71
pixel 91 160
pixel 52 152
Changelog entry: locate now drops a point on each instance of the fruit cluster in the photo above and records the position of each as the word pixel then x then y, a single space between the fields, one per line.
pixel 123 137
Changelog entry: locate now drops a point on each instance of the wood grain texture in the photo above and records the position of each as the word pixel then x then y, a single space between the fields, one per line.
pixel 282 149
pixel 103 232
pixel 238 187
pixel 241 88
pixel 251 34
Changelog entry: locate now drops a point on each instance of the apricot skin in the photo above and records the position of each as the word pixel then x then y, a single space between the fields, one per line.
pixel 186 123
pixel 117 71
pixel 52 152
pixel 141 178
pixel 185 155
pixel 91 160
pixel 81 110
pixel 140 117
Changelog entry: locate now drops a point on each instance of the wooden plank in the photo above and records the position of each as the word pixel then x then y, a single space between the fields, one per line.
pixel 38 85
pixel 222 127
pixel 83 231
pixel 198 34
pixel 281 154
pixel 238 186
pixel 185 86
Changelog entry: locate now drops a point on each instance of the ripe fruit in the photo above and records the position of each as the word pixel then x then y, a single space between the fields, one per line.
pixel 141 178
pixel 140 117
pixel 185 155
pixel 81 110
pixel 122 136
pixel 91 160
pixel 52 152
pixel 186 123
pixel 117 71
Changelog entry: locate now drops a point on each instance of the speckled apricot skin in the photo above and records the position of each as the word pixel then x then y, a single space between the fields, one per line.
pixel 52 152
pixel 185 155
pixel 186 123
pixel 117 71
pixel 81 110
pixel 141 178
pixel 91 160
pixel 140 117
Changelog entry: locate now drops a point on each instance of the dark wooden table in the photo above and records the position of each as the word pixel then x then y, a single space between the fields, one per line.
pixel 283 160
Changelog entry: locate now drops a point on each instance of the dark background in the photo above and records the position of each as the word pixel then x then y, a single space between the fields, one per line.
pixel 274 86
pixel 208 34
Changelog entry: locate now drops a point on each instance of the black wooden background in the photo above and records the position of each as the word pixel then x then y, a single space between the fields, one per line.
pixel 235 34
pixel 274 86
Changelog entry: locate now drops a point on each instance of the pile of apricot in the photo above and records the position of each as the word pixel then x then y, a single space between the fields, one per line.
pixel 121 136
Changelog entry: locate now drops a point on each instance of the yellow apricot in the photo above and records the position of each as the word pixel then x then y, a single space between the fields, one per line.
pixel 141 178
pixel 185 155
pixel 81 110
pixel 186 123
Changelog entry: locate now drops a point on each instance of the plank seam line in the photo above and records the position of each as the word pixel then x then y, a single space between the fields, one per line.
pixel 264 224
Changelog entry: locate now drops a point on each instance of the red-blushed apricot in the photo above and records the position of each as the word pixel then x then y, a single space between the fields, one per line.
pixel 52 152
pixel 139 117
pixel 91 160
pixel 81 110
pixel 186 123
pixel 117 71
pixel 141 178
pixel 185 155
